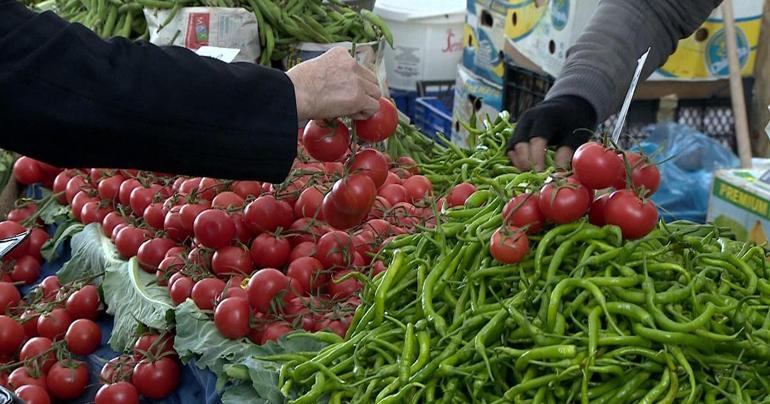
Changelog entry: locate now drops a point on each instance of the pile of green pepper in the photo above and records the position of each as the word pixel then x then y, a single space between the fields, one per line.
pixel 682 315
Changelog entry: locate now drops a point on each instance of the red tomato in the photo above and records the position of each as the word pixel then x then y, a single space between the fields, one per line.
pixel 79 201
pixel 246 189
pixel 10 229
pixel 118 369
pixel 67 380
pixel 53 325
pixel 344 289
pixel 231 260
pixel 142 197
pixel 154 345
pixel 266 214
pixel 178 251
pixel 408 164
pixel 214 229
pixel 268 251
pixel 326 141
pixel 201 257
pixel 336 218
pixel 232 317
pixel 27 171
pixel 309 274
pixel 242 231
pixel 158 379
pixel 38 352
pixel 335 326
pixel 20 377
pixel 523 212
pixel 459 193
pixel 125 190
pixel 37 238
pixel 394 193
pixel 111 221
pixel 12 335
pixel 644 174
pixel 33 394
pixel 94 212
pixel 28 320
pixel 334 249
pixel 206 291
pixel 154 215
pixel 304 249
pixel 83 337
pixel 189 212
pixel 50 285
pixel 209 187
pixel 353 195
pixel 275 331
pixel 309 204
pixel 305 230
pixel 379 126
pixel 372 164
pixel 174 227
pixel 418 187
pixel 564 203
pixel 392 178
pixel 26 270
pixel 152 252
pixel 227 200
pixel 189 186
pixel 84 303
pixel 117 393
pixel 74 186
pixel 264 286
pixel 60 186
pixel 235 292
pixel 596 166
pixel 635 217
pixel 22 213
pixel 109 188
pixel 509 245
pixel 128 241
pixel 596 214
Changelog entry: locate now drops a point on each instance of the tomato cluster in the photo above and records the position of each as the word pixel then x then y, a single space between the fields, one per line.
pixel 568 198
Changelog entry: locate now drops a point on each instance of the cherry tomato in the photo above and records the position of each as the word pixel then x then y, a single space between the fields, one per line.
pixel 83 337
pixel 31 394
pixel 344 289
pixel 38 352
pixel 264 286
pixel 371 163
pixel 334 249
pixel 309 204
pixel 154 345
pixel 379 126
pixel 54 325
pixel 266 214
pixel 181 289
pixel 231 260
pixel 509 245
pixel 214 229
pixel 635 217
pixel 268 251
pixel 275 331
pixel 596 166
pixel 22 213
pixel 304 249
pixel 10 229
pixel 418 187
pixel 246 189
pixel 326 141
pixel 128 240
pixel 460 193
pixel 25 270
pixel 152 252
pixel 37 238
pixel 67 380
pixel 155 215
pixel 206 291
pixel 158 379
pixel 523 211
pixel 109 188
pixel 227 200
pixel 117 393
pixel 74 186
pixel 309 274
pixel 60 186
pixel 12 335
pixel 644 174
pixel 50 285
pixel 84 303
pixel 27 171
pixel 118 369
pixel 142 197
pixel 209 187
pixel 231 317
pixel 596 214
pixel 564 203
pixel 112 220
pixel 394 193
pixel 408 164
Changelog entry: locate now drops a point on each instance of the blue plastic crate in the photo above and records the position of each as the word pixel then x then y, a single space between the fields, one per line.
pixel 405 101
pixel 432 115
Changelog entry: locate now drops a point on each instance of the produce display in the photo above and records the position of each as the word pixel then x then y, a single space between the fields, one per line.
pixel 282 23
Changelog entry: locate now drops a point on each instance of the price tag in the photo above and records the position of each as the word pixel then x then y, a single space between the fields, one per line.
pixel 226 55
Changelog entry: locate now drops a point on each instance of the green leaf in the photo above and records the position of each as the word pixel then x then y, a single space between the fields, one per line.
pixel 134 299
pixel 63 233
pixel 52 212
pixel 241 393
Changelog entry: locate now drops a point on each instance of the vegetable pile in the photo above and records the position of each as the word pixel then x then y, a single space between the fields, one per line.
pixel 677 314
pixel 282 23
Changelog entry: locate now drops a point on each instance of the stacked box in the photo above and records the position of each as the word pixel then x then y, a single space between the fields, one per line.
pixel 470 37
pixel 741 201
pixel 488 59
pixel 473 94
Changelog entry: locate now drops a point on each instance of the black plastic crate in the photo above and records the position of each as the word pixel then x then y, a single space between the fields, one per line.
pixel 523 89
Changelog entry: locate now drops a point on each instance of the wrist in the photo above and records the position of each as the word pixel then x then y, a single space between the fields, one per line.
pixel 301 96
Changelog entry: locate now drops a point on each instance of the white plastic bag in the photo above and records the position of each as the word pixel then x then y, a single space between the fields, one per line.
pixel 194 27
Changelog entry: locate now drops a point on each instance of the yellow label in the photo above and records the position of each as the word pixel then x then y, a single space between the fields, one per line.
pixel 522 17
pixel 704 53
pixel 742 199
pixel 469 37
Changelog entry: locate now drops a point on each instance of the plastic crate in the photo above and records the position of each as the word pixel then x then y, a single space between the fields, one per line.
pixel 523 88
pixel 432 116
pixel 405 101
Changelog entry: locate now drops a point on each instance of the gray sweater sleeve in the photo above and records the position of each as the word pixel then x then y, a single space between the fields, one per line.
pixel 600 65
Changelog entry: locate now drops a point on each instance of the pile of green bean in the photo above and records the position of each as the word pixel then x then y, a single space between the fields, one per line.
pixel 282 23
pixel 682 315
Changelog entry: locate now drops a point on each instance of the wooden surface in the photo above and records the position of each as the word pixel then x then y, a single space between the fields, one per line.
pixel 736 87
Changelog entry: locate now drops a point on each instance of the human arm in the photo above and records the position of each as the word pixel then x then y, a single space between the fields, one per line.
pixel 71 99
pixel 598 70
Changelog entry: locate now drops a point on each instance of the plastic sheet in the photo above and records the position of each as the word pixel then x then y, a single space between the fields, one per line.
pixel 687 160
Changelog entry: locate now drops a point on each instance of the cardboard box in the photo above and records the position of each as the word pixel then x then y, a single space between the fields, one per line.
pixel 490 31
pixel 540 32
pixel 470 37
pixel 473 94
pixel 740 201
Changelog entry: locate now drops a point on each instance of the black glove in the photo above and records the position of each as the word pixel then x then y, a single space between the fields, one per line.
pixel 565 120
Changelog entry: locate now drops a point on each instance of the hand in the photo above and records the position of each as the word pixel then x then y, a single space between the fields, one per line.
pixel 334 85
pixel 565 121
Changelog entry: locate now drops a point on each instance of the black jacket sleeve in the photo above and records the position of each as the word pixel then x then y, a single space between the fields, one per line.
pixel 71 99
